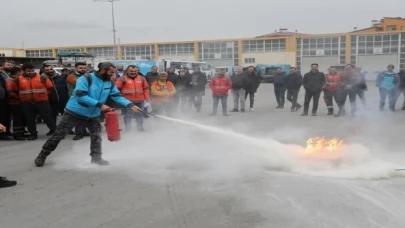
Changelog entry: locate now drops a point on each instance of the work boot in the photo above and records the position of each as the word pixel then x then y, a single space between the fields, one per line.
pixel 77 137
pixel 235 110
pixel 5 137
pixel 86 134
pixel 19 137
pixel 304 114
pixel 242 110
pixel 50 132
pixel 40 160
pixel 4 183
pixel 99 161
pixel 225 114
pixel 32 137
pixel 330 111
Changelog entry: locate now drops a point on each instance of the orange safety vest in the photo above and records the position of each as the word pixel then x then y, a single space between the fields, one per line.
pixel 12 92
pixel 332 82
pixel 160 99
pixel 34 89
pixel 134 89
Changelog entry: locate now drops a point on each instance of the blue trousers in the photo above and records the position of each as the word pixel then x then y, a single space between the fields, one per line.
pixel 391 93
pixel 224 102
pixel 128 114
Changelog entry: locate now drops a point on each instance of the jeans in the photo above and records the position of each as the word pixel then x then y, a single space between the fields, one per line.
pixel 196 99
pixel 128 114
pixel 352 98
pixel 292 96
pixel 251 97
pixel 224 102
pixel 391 93
pixel 280 96
pixel 308 97
pixel 238 95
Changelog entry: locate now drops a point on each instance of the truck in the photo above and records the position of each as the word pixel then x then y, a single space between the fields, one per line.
pixel 267 71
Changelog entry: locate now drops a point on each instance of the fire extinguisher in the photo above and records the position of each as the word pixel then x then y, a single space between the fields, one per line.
pixel 113 126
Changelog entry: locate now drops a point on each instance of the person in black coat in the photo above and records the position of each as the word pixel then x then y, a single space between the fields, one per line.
pixel 198 83
pixel 60 94
pixel 239 83
pixel 401 87
pixel 293 83
pixel 252 85
pixel 313 83
pixel 183 88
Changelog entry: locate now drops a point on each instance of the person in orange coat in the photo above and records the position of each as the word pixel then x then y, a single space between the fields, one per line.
pixel 163 92
pixel 14 104
pixel 220 85
pixel 33 90
pixel 135 88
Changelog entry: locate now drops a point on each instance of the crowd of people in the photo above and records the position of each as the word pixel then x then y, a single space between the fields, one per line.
pixel 82 97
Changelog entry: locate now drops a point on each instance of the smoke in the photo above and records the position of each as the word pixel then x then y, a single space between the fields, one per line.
pixel 204 152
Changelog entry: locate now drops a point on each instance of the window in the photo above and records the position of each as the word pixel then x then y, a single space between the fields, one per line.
pixel 176 49
pixel 391 27
pixel 39 53
pixel 138 52
pixel 387 43
pixel 277 45
pixel 221 50
pixel 250 60
pixel 327 45
pixel 104 52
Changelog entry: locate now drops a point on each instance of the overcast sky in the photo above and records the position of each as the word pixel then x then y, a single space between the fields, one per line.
pixel 45 23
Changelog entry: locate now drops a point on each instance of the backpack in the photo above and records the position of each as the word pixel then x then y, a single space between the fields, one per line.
pixel 43 80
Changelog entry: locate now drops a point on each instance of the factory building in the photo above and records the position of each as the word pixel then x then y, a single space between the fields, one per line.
pixel 371 48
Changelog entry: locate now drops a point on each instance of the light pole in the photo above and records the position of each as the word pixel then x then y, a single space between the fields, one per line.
pixel 113 23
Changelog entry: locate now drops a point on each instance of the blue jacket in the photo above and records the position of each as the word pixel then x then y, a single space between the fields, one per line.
pixel 86 102
pixel 387 80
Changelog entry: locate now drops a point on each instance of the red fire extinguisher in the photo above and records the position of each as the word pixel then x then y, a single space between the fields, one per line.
pixel 113 126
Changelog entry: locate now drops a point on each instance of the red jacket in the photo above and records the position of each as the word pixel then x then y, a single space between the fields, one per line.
pixel 220 85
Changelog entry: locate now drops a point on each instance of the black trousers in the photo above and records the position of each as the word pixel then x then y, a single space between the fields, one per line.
pixel 56 109
pixel 18 120
pixel 30 109
pixel 251 97
pixel 66 125
pixel 309 95
pixel 292 96
pixel 328 97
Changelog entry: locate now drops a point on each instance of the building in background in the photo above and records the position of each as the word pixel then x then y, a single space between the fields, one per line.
pixel 371 48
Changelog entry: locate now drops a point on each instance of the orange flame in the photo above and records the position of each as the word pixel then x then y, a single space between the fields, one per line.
pixel 320 144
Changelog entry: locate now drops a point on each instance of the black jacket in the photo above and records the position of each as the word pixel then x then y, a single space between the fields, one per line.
pixel 3 89
pixel 314 81
pixel 253 82
pixel 172 77
pixel 60 91
pixel 293 81
pixel 279 80
pixel 183 83
pixel 401 79
pixel 201 81
pixel 239 81
pixel 151 77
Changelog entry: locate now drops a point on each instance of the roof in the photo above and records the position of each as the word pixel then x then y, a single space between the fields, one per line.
pixel 281 33
pixel 378 28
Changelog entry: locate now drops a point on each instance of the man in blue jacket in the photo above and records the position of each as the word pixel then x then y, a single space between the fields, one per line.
pixel 84 107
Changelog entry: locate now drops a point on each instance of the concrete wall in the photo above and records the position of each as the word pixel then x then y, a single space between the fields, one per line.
pixel 373 64
pixel 324 62
pixel 177 57
pixel 6 52
pixel 270 58
pixel 219 62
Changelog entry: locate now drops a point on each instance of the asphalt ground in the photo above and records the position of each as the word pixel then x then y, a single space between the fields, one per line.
pixel 176 175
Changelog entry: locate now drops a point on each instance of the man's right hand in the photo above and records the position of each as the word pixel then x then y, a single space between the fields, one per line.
pixel 105 108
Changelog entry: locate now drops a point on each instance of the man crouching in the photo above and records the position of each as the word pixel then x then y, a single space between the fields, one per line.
pixel 84 107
